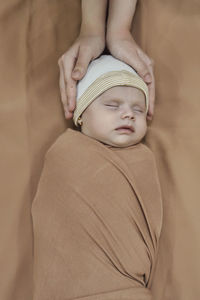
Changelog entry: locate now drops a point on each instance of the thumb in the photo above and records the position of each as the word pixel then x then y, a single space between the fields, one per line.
pixel 135 61
pixel 80 68
pixel 142 69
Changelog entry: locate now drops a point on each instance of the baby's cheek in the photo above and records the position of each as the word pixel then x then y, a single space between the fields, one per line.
pixel 107 121
pixel 143 129
pixel 141 126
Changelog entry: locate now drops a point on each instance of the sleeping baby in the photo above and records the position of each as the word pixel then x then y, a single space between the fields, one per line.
pixel 97 214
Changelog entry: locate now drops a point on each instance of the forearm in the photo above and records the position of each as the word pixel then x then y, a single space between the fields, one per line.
pixel 93 17
pixel 120 16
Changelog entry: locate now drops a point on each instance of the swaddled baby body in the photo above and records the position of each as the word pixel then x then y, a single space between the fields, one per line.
pixel 97 213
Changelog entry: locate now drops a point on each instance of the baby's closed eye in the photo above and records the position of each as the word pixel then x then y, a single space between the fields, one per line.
pixel 111 104
pixel 138 109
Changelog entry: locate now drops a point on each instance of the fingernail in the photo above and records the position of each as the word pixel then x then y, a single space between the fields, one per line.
pixel 147 78
pixel 76 73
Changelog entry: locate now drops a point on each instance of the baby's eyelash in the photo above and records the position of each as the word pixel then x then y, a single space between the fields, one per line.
pixel 112 105
pixel 138 109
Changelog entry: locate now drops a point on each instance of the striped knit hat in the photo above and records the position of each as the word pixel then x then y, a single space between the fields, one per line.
pixel 102 74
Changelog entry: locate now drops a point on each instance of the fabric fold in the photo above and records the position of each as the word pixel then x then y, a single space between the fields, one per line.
pixel 97 218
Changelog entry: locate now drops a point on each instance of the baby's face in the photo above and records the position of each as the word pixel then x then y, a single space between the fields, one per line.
pixel 117 117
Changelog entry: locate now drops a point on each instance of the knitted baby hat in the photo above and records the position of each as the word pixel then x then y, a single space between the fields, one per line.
pixel 102 74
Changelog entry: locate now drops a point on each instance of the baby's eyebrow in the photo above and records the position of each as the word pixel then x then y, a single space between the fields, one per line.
pixel 114 100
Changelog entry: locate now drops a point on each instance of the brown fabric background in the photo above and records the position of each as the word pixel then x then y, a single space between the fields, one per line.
pixel 168 31
pixel 34 34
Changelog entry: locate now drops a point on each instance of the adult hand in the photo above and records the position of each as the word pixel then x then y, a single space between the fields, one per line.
pixel 123 47
pixel 73 66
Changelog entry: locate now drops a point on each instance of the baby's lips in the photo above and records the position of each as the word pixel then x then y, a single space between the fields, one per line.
pixel 126 127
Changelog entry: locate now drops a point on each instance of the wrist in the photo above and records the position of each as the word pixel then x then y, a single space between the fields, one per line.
pixel 120 18
pixel 92 38
pixel 114 27
pixel 87 30
pixel 95 36
pixel 116 34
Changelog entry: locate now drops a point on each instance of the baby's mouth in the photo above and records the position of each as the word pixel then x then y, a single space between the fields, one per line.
pixel 125 129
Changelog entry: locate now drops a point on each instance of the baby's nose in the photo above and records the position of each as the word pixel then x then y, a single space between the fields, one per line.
pixel 128 114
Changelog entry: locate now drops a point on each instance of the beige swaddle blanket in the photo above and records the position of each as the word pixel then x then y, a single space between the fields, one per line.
pixel 97 218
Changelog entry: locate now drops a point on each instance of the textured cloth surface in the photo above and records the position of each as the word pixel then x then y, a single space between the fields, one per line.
pixel 34 34
pixel 167 31
pixel 97 218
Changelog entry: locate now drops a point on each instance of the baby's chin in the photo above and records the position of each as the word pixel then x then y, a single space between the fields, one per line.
pixel 119 144
pixel 120 141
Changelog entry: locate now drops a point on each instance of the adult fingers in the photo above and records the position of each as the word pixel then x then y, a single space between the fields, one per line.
pixel 65 83
pixel 151 87
pixel 71 94
pixel 132 58
pixel 62 85
pixel 82 62
pixel 67 64
pixel 144 70
pixel 67 108
pixel 151 84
